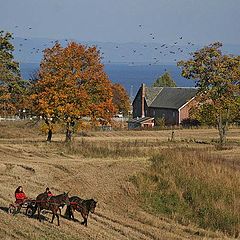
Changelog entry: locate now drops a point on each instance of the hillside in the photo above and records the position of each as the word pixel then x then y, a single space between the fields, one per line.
pixel 25 159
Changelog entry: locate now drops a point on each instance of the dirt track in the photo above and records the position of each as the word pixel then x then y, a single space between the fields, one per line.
pixel 119 214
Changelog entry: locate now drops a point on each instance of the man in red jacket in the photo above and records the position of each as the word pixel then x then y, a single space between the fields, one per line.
pixel 20 195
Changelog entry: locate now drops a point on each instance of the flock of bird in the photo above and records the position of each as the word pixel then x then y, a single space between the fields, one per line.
pixel 160 51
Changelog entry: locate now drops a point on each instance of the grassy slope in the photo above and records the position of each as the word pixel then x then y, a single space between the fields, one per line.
pixel 190 185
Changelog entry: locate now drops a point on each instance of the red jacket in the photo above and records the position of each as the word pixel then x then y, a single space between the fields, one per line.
pixel 20 196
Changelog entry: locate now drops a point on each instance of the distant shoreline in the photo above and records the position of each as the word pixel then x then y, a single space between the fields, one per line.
pixel 130 76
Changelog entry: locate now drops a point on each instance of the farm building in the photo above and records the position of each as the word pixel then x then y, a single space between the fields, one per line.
pixel 169 103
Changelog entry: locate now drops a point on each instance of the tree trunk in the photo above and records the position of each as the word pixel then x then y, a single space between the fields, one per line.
pixel 50 133
pixel 68 133
pixel 49 137
pixel 222 130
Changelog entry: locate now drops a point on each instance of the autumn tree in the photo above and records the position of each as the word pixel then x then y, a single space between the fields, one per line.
pixel 72 84
pixel 11 85
pixel 164 81
pixel 218 82
pixel 121 99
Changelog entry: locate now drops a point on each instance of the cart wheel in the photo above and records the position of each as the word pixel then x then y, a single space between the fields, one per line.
pixel 12 209
pixel 29 212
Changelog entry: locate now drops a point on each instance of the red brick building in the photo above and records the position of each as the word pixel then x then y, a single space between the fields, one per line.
pixel 171 103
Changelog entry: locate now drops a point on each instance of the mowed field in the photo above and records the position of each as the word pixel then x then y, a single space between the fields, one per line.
pixel 102 169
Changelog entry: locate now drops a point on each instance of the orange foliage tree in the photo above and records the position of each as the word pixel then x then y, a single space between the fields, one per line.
pixel 72 84
pixel 121 99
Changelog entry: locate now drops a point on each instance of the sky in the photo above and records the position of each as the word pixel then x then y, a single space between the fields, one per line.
pixel 198 21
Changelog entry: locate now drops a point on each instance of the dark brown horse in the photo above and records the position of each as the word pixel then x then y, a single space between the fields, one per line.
pixel 51 203
pixel 82 206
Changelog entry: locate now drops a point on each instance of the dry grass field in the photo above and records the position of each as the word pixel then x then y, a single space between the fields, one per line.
pixel 99 165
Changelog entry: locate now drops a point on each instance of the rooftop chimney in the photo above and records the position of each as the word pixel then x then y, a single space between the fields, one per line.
pixel 143 100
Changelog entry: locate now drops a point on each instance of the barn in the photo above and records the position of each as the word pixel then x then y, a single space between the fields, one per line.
pixel 169 103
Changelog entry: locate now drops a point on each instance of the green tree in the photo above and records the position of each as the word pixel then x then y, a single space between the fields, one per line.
pixel 218 82
pixel 11 85
pixel 164 81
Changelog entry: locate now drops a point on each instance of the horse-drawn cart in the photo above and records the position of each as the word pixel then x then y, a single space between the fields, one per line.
pixel 29 205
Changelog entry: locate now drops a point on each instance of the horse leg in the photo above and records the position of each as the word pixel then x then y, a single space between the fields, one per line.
pixel 68 213
pixel 71 213
pixel 57 219
pixel 85 220
pixel 38 208
pixel 60 211
pixel 53 212
pixel 85 216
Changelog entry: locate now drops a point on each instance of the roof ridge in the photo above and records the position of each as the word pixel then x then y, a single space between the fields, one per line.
pixel 161 88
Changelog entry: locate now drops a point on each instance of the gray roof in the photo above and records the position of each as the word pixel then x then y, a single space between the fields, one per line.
pixel 169 97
